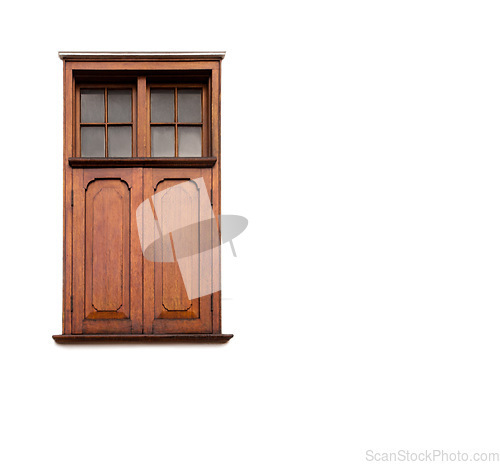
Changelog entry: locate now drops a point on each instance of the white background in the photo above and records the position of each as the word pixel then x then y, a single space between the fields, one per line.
pixel 362 142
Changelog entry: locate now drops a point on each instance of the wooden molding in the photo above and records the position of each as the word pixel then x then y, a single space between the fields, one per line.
pixel 141 338
pixel 146 162
pixel 137 56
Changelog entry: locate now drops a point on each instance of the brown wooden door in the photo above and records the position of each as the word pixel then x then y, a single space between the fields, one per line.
pixel 107 256
pixel 175 287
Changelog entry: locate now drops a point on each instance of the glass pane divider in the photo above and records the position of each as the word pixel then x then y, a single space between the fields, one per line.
pixel 176 109
pixel 106 121
pixel 166 124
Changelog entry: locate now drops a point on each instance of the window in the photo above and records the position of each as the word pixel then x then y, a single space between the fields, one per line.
pixel 105 116
pixel 142 197
pixel 176 119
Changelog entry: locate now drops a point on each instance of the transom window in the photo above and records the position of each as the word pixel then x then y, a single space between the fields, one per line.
pixel 174 122
pixel 106 122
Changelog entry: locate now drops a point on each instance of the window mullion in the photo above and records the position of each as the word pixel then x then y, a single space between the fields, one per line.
pixel 106 122
pixel 176 120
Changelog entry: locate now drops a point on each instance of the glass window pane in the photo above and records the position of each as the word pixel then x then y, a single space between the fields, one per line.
pixel 119 141
pixel 92 142
pixel 189 141
pixel 162 105
pixel 92 105
pixel 189 105
pixel 162 141
pixel 119 106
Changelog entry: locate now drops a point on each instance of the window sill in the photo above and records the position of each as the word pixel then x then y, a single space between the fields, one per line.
pixel 198 162
pixel 141 338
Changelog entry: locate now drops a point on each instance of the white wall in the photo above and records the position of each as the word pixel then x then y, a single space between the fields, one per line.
pixel 361 140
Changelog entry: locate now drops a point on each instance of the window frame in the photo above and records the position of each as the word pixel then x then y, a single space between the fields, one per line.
pixel 78 124
pixel 97 67
pixel 205 122
pixel 142 116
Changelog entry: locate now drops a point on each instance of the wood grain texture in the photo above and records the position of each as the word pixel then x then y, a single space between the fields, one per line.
pixel 216 190
pixel 143 65
pixel 142 117
pixel 149 266
pixel 107 265
pixel 107 246
pixel 67 208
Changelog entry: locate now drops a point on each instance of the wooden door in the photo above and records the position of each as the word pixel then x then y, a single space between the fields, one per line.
pixel 177 295
pixel 107 256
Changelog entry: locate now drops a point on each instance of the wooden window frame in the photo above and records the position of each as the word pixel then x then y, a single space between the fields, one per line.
pixel 141 117
pixel 137 70
pixel 79 124
pixel 205 121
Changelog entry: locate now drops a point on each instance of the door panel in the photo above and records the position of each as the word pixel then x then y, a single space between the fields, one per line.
pixel 107 241
pixel 170 287
pixel 175 298
pixel 107 293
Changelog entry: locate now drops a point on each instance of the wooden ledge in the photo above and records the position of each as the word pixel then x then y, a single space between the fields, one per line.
pixel 100 56
pixel 178 162
pixel 142 338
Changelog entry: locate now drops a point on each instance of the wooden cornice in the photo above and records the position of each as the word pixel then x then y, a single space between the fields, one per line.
pixel 139 56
